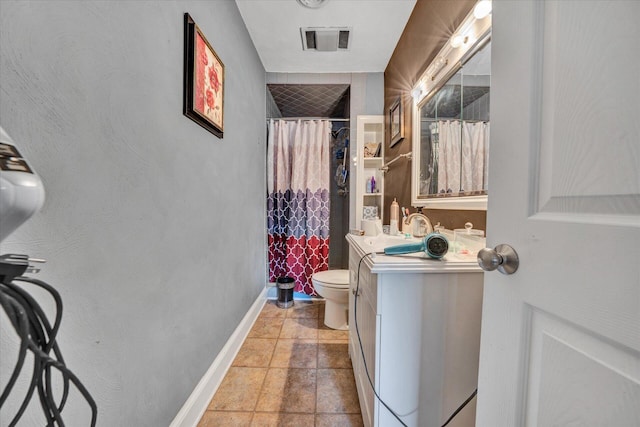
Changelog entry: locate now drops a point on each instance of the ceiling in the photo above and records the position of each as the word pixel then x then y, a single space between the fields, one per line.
pixel 376 26
pixel 274 27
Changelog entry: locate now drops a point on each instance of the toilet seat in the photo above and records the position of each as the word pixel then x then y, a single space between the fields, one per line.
pixel 332 278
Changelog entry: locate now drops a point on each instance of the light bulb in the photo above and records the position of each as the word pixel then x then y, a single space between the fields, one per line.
pixel 457 41
pixel 482 9
pixel 415 93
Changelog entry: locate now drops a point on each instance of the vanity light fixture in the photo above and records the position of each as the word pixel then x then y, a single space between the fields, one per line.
pixel 482 9
pixel 474 27
pixel 459 40
pixel 419 91
pixel 415 93
pixel 434 69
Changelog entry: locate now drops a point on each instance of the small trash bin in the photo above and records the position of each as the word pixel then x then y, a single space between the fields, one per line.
pixel 285 291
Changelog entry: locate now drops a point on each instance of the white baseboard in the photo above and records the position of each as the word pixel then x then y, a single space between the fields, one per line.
pixel 195 406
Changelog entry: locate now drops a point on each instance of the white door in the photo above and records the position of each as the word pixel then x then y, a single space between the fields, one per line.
pixel 561 337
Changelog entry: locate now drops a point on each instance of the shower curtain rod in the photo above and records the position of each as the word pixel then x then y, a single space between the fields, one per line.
pixel 446 119
pixel 309 118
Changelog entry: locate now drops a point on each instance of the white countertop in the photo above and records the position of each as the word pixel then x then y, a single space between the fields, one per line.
pixel 417 262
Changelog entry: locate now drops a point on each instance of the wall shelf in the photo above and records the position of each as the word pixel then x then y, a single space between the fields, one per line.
pixel 370 130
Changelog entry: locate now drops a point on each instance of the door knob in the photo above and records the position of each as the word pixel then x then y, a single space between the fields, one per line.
pixel 503 257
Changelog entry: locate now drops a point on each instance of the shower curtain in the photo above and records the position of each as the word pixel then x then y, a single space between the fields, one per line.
pixel 463 154
pixel 449 137
pixel 298 200
pixel 475 156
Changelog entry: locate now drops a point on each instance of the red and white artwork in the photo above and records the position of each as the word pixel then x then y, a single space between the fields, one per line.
pixel 209 74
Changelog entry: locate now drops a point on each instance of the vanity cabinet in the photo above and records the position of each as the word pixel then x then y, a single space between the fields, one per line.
pixel 419 326
pixel 369 160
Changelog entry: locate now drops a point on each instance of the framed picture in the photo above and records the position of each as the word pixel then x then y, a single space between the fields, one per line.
pixel 203 99
pixel 396 122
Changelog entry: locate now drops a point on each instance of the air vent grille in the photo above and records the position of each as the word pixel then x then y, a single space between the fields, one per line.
pixel 325 39
pixel 311 39
pixel 343 39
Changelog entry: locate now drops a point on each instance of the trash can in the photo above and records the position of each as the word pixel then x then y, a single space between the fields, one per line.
pixel 285 291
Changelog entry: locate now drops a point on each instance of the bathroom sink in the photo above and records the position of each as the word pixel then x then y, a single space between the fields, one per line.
pixel 381 241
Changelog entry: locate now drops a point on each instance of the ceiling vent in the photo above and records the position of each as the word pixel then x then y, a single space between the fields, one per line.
pixel 325 39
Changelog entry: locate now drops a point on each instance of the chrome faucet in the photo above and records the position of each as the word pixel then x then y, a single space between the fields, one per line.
pixel 422 227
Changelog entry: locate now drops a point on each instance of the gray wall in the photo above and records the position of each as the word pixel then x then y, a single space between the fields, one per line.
pixel 153 228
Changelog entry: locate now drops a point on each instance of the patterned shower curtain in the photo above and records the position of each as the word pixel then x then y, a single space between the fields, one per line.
pixel 298 200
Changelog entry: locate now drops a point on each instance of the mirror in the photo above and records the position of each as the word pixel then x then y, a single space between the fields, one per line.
pixel 451 132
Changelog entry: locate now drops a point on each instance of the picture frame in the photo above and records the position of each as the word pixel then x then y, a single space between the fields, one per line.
pixel 203 95
pixel 396 122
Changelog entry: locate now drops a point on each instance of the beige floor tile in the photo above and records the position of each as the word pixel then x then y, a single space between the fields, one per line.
pixel 342 420
pixel 288 390
pixel 239 390
pixel 270 419
pixel 328 334
pixel 255 352
pixel 270 309
pixel 295 354
pixel 225 419
pixel 266 327
pixel 337 392
pixel 333 354
pixel 303 357
pixel 306 309
pixel 300 328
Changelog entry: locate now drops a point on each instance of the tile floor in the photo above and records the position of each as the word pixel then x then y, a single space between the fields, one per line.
pixel 291 371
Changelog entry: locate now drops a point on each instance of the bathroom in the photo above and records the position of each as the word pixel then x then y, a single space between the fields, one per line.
pixel 153 228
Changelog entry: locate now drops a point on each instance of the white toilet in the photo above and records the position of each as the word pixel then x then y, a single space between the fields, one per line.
pixel 333 286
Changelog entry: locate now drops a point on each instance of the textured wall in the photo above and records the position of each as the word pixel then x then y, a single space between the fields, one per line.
pixel 153 228
pixel 431 24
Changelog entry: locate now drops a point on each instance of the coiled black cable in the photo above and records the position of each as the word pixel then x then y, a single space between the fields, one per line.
pixel 364 360
pixel 38 336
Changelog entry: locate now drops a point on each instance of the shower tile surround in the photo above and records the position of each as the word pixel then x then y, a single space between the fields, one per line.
pixel 339 201
pixel 290 371
pixel 365 95
pixel 311 100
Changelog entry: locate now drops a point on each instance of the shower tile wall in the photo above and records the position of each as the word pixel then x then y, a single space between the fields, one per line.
pixel 272 108
pixel 339 213
pixel 478 109
pixel 310 100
